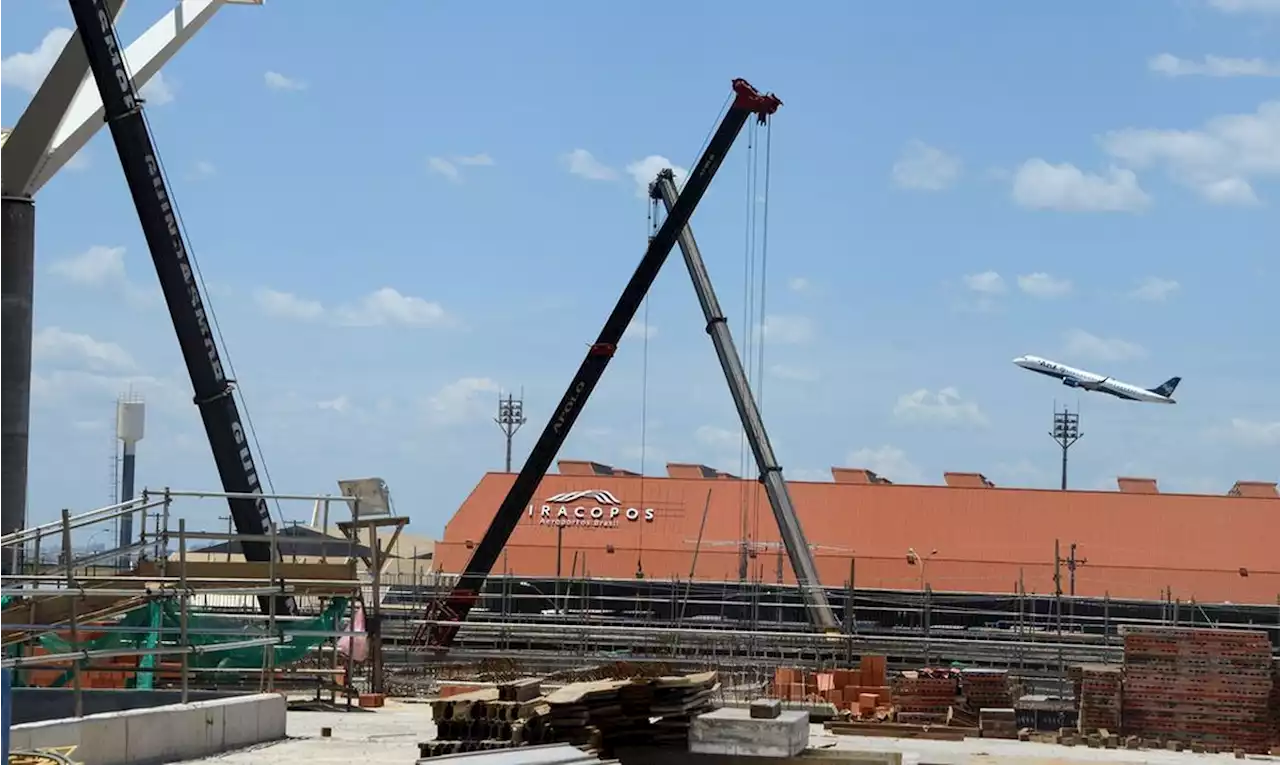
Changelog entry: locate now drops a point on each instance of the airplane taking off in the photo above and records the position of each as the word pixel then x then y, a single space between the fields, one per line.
pixel 1078 378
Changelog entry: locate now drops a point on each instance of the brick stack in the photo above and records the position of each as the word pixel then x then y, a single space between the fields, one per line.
pixel 1275 705
pixel 1198 685
pixel 986 689
pixel 1098 693
pixel 921 699
pixel 862 689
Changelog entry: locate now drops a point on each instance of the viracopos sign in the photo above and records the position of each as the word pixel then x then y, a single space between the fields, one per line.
pixel 594 508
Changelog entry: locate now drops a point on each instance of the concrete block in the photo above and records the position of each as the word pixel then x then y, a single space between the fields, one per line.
pixel 102 739
pixel 734 732
pixel 52 733
pixel 765 709
pixel 240 725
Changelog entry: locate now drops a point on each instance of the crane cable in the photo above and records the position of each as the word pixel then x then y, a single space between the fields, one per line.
pixel 225 352
pixel 764 281
pixel 652 226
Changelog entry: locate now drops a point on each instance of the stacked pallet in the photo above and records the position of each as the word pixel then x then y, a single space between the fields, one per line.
pixel 1098 692
pixel 1203 686
pixel 986 689
pixel 513 714
pixel 925 697
pixel 606 714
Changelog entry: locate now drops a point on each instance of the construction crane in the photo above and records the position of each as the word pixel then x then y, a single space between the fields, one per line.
pixel 444 617
pixel 123 111
pixel 784 510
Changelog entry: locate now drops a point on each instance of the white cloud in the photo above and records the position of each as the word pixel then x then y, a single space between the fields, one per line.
pixel 638 330
pixel 277 81
pixel 925 168
pixel 450 167
pixel 887 461
pixel 1212 66
pixel 467 399
pixel 65 387
pixel 26 71
pixel 386 306
pixel 581 163
pixel 945 407
pixel 986 283
pixel 788 330
pixel 1219 160
pixel 205 169
pixel 286 305
pixel 95 266
pixel 797 374
pixel 1254 432
pixel 1039 185
pixel 1246 6
pixel 158 91
pixel 1043 285
pixel 646 170
pixel 718 438
pixel 103 267
pixel 1081 344
pixel 341 405
pixel 382 307
pixel 55 344
pixel 798 284
pixel 1154 288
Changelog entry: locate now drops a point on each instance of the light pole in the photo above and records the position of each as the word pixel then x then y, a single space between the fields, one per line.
pixel 915 559
pixel 1066 431
pixel 510 418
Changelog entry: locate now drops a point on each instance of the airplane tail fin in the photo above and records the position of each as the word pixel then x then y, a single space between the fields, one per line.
pixel 1167 387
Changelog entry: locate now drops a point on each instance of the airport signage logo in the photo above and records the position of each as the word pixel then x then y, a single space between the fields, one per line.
pixel 595 509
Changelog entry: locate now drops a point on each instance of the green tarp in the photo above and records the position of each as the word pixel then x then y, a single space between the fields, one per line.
pixel 165 615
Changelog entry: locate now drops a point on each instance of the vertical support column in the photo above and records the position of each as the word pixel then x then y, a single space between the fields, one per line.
pixel 17 284
pixel 5 711
pixel 184 604
pixel 74 622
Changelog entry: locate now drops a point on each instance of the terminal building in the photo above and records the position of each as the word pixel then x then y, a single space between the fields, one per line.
pixel 965 536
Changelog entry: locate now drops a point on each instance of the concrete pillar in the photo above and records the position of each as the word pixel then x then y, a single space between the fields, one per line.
pixel 17 283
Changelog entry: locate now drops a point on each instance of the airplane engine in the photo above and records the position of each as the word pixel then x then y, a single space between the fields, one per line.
pixel 1070 383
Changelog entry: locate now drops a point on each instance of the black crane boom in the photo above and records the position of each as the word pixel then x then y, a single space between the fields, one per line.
pixel 441 625
pixel 214 397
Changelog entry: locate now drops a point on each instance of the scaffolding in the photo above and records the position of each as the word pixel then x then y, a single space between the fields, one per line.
pixel 148 605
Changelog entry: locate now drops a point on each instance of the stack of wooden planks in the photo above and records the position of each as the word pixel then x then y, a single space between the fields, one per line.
pixel 606 714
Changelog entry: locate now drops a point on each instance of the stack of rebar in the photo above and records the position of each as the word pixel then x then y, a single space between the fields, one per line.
pixel 1203 686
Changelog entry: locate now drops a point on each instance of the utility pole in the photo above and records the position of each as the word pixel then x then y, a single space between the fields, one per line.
pixel 510 418
pixel 1066 431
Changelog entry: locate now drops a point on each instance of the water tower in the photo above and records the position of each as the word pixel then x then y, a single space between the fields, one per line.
pixel 130 427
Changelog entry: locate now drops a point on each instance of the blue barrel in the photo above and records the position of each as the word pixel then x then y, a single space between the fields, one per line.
pixel 5 708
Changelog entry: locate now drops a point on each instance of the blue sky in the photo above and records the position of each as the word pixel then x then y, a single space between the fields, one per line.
pixel 402 208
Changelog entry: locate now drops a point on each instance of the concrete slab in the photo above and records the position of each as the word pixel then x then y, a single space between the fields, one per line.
pixel 158 734
pixel 735 732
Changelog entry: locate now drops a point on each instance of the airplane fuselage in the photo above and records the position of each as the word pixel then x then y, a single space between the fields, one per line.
pixel 1079 378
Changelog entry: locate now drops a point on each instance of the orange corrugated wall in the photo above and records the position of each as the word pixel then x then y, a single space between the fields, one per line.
pixel 1210 548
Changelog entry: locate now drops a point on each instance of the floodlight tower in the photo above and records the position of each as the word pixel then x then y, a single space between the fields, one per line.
pixel 130 428
pixel 1066 431
pixel 63 114
pixel 510 418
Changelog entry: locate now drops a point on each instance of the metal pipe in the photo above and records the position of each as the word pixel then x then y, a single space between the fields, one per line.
pixel 84 519
pixel 77 689
pixel 81 592
pixel 255 495
pixel 124 652
pixel 184 637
